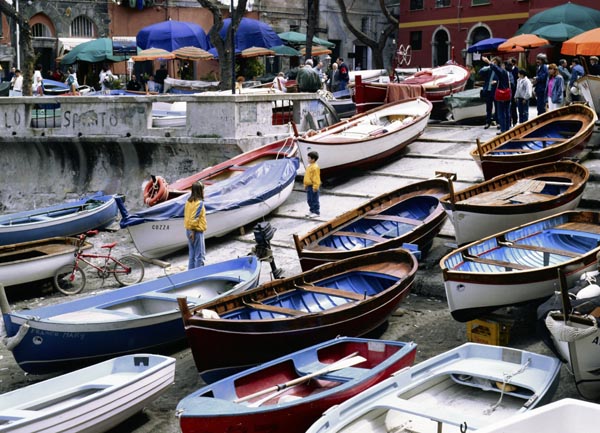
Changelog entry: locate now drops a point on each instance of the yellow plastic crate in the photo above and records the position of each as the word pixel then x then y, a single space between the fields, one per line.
pixel 494 331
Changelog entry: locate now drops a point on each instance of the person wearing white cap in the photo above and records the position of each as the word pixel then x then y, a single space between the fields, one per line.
pixel 594 66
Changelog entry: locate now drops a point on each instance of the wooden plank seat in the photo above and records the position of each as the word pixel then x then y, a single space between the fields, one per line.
pixel 539 248
pixel 332 292
pixel 501 263
pixel 524 140
pixel 394 218
pixel 512 150
pixel 369 237
pixel 274 309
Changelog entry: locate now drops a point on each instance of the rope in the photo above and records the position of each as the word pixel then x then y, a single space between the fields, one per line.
pixel 506 381
pixel 563 332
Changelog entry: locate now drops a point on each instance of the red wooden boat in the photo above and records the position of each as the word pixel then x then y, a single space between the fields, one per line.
pixel 158 189
pixel 350 297
pixel 311 381
pixel 433 84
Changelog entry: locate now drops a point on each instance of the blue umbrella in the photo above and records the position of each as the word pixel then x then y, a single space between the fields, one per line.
pixel 489 44
pixel 251 33
pixel 170 35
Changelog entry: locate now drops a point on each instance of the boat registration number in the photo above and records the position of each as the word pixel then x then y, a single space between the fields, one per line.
pixel 160 226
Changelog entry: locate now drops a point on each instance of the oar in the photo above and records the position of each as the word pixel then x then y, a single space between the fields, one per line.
pixel 347 361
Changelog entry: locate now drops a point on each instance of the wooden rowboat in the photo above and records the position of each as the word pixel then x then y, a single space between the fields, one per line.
pixel 310 382
pixel 367 139
pixel 350 297
pixel 463 389
pixel 515 198
pixel 91 400
pixel 36 260
pixel 521 264
pixel 140 317
pixel 549 137
pixel 409 215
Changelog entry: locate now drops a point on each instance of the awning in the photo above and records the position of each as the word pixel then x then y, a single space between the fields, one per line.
pixel 70 43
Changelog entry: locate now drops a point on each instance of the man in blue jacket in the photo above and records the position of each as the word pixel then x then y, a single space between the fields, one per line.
pixel 540 81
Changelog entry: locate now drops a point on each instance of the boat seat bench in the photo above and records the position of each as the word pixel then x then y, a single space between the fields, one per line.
pixel 274 309
pixel 366 236
pixel 394 218
pixel 525 140
pixel 333 292
pixel 540 249
pixel 501 263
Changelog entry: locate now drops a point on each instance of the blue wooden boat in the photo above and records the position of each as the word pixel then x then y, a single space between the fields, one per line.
pixel 411 214
pixel 95 211
pixel 137 318
pixel 466 388
pixel 93 399
pixel 349 297
pixel 520 264
pixel 230 203
pixel 288 394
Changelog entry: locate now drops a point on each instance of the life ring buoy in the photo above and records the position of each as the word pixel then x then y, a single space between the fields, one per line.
pixel 155 191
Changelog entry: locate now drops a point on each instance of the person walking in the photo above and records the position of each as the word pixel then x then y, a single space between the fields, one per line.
pixel 312 183
pixel 523 95
pixel 503 92
pixel 555 88
pixel 540 81
pixel 194 221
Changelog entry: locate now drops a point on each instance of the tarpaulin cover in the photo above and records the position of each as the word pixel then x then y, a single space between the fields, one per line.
pixel 466 98
pixel 256 184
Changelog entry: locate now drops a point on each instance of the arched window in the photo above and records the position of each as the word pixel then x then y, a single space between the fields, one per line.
pixel 83 27
pixel 40 30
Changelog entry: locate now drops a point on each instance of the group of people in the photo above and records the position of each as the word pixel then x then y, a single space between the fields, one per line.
pixel 312 77
pixel 508 89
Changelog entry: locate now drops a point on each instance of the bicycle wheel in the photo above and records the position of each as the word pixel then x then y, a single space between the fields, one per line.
pixel 69 280
pixel 135 274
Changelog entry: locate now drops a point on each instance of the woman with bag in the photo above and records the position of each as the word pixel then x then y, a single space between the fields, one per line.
pixel 502 95
pixel 555 88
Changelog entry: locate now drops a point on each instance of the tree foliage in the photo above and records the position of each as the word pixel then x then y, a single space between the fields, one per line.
pixel 377 45
pixel 25 42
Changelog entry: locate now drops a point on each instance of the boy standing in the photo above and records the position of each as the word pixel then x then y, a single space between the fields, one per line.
pixel 312 182
pixel 522 95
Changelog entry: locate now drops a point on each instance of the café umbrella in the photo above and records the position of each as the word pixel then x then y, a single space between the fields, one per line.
pixel 522 42
pixel 558 32
pixel 153 54
pixel 584 44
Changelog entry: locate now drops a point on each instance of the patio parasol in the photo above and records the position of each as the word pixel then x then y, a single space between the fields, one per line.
pixel 300 39
pixel 251 33
pixel 153 54
pixel 558 32
pixel 317 50
pixel 256 52
pixel 568 13
pixel 284 50
pixel 584 44
pixel 192 53
pixel 97 50
pixel 170 35
pixel 489 44
pixel 520 42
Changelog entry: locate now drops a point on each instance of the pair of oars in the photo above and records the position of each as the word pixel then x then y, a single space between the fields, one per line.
pixel 347 361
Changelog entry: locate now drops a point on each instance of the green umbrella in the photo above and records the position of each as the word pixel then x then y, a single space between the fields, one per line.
pixel 300 38
pixel 569 13
pixel 98 50
pixel 284 50
pixel 558 32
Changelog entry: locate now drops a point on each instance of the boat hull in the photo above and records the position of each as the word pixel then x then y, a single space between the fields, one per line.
pixel 519 265
pixel 340 149
pixel 91 400
pixel 466 382
pixel 589 89
pixel 260 335
pixel 142 317
pixel 465 105
pixel 160 238
pixel 68 219
pixel 311 254
pixel 36 260
pixel 514 199
pixel 550 137
pixel 212 408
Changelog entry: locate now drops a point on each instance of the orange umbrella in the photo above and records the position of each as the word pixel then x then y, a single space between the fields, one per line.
pixel 256 52
pixel 317 50
pixel 525 41
pixel 153 54
pixel 192 53
pixel 584 44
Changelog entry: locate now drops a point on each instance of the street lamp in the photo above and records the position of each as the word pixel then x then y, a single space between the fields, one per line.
pixel 130 63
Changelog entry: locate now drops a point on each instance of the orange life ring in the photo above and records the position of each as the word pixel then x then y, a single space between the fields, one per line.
pixel 155 191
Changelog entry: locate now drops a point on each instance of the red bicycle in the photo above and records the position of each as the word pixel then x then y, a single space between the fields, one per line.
pixel 71 279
